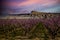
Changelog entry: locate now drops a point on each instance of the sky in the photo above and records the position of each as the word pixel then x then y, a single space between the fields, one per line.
pixel 26 6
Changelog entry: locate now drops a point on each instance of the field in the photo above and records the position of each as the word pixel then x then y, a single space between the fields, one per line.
pixel 30 29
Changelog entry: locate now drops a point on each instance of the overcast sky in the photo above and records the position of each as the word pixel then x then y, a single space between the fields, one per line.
pixel 26 6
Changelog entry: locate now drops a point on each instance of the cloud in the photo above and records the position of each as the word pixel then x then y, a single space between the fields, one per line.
pixel 54 9
pixel 29 5
pixel 30 2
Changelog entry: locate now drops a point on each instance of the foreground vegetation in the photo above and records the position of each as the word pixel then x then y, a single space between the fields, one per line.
pixel 42 29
